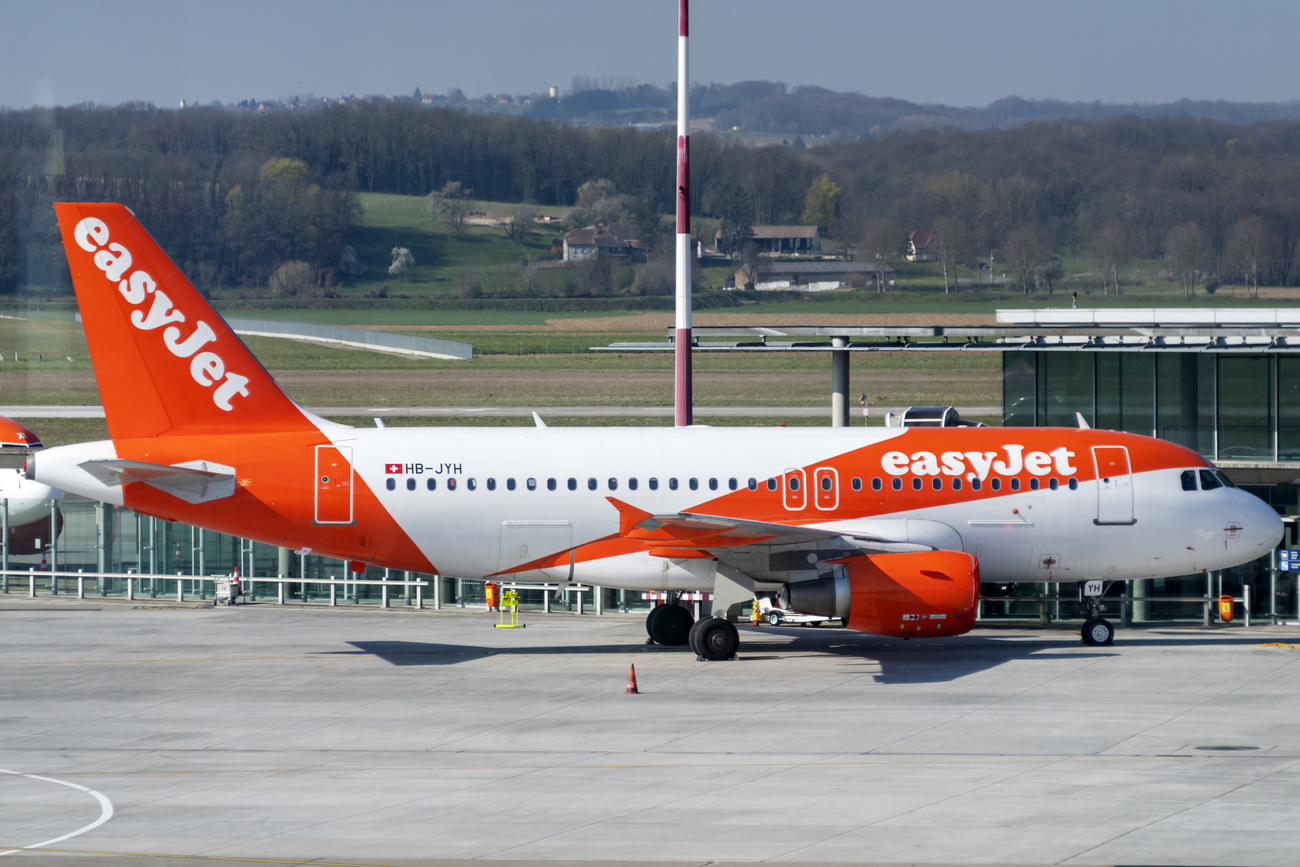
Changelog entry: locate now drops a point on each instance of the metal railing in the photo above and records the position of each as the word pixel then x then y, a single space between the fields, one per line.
pixel 1207 604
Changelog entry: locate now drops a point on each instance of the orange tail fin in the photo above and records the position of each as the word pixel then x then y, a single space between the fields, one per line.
pixel 166 362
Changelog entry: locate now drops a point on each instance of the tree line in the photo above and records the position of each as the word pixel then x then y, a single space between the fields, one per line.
pixel 232 196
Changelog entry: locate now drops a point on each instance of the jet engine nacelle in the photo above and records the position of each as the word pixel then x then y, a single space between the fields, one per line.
pixel 900 595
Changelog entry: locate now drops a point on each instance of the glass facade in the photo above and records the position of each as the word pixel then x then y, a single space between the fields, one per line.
pixel 1228 407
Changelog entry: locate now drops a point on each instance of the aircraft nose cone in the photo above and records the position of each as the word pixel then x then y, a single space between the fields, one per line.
pixel 1263 525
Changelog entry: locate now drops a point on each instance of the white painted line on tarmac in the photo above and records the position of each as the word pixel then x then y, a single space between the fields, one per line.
pixel 105 811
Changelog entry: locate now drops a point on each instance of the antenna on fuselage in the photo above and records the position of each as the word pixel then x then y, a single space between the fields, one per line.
pixel 1083 423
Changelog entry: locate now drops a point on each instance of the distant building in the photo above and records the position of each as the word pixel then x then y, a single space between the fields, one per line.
pixel 619 240
pixel 784 240
pixel 918 245
pixel 806 276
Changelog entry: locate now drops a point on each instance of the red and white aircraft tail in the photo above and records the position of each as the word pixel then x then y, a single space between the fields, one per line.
pixel 890 529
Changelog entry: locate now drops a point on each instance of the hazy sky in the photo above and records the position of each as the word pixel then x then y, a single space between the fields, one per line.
pixel 941 51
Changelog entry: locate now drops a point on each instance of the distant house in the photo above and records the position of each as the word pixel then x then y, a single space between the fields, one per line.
pixel 806 276
pixel 784 240
pixel 618 240
pixel 918 245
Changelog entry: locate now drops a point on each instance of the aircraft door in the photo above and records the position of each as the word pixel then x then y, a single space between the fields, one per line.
pixel 796 490
pixel 826 488
pixel 1114 485
pixel 333 489
pixel 527 541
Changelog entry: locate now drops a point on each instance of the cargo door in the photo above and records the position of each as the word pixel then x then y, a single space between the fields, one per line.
pixel 524 542
pixel 1114 485
pixel 333 485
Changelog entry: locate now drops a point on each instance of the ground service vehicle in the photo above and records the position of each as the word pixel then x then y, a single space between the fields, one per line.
pixel 889 529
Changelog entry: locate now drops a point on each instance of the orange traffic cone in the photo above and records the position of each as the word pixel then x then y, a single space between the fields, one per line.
pixel 45 566
pixel 631 682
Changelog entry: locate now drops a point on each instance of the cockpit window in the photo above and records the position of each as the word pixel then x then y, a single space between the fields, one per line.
pixel 1209 481
pixel 1227 482
pixel 1188 479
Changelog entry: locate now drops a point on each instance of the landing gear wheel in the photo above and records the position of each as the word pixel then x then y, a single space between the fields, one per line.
pixel 1098 633
pixel 774 619
pixel 652 621
pixel 716 640
pixel 674 626
pixel 669 625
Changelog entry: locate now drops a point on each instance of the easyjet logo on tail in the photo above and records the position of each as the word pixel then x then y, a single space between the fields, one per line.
pixel 155 310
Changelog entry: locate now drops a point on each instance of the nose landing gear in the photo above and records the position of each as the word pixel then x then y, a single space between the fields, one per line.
pixel 1097 631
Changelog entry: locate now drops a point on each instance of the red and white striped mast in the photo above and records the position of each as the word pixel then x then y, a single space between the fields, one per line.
pixel 682 399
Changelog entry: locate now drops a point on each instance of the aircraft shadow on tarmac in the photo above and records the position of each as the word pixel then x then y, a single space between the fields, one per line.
pixel 890 660
pixel 893 660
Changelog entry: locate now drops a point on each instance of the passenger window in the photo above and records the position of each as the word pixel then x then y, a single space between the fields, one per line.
pixel 898 484
pixel 956 484
pixel 732 484
pixel 1015 484
pixel 995 484
pixel 573 484
pixel 713 484
pixel 1209 482
pixel 550 484
pixel 826 483
pixel 1188 478
pixel 793 481
pixel 432 484
pixel 613 484
pixel 976 484
pixel 695 484
pixel 936 483
pixel 752 484
pixel 510 484
pixel 1074 484
pixel 672 483
pixel 631 484
pixel 857 483
pixel 1033 483
pixel 654 483
pixel 392 484
pixel 1053 483
pixel 771 484
pixel 410 484
pixel 491 484
pixel 531 484
pixel 471 484
pixel 876 484
pixel 916 483
pixel 591 484
pixel 451 484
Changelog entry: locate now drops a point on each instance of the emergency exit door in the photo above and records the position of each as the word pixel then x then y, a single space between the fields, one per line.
pixel 333 499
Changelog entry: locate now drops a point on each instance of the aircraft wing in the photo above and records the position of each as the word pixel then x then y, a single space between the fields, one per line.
pixel 191 481
pixel 763 550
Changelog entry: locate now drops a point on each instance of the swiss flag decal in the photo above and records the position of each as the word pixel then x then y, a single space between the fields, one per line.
pixel 390 469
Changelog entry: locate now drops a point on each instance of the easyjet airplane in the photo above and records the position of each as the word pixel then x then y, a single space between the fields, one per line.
pixel 891 529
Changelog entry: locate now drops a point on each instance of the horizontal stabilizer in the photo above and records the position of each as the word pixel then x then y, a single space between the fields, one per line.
pixel 191 481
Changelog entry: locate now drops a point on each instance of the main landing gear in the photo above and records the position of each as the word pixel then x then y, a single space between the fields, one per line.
pixel 712 638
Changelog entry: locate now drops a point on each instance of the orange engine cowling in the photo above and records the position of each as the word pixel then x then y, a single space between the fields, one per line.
pixel 901 595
